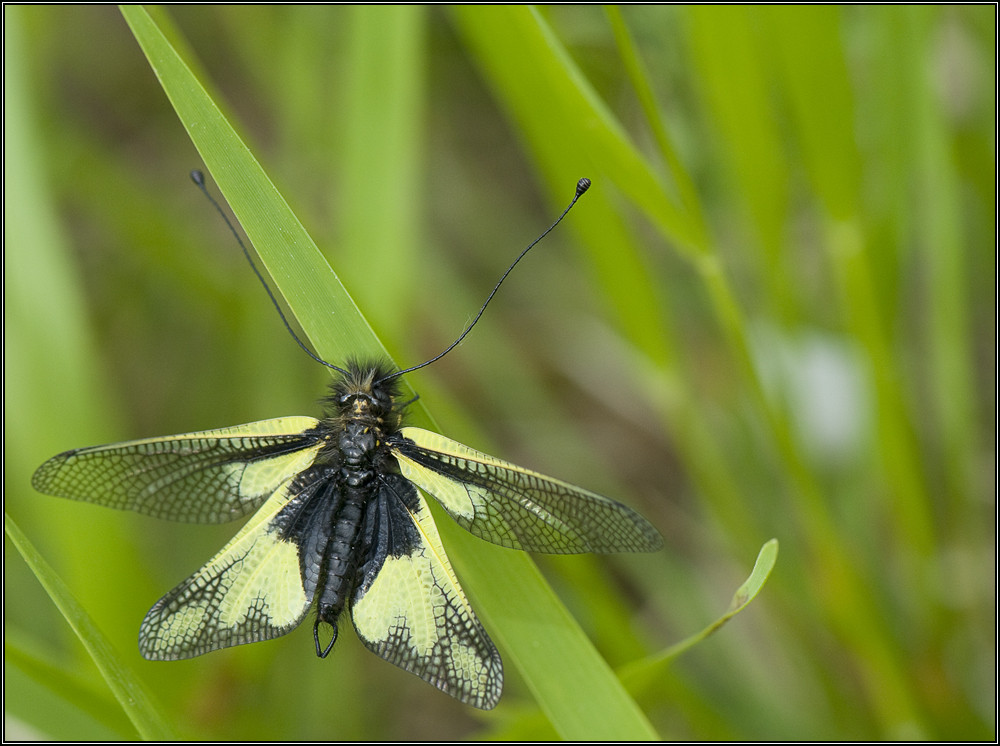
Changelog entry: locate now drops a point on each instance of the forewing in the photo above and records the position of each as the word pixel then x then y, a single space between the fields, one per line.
pixel 408 607
pixel 211 476
pixel 250 591
pixel 515 507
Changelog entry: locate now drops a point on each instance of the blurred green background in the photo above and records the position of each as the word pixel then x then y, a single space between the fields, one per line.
pixel 773 316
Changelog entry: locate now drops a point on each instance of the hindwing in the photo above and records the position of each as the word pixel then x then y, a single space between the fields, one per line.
pixel 252 590
pixel 515 507
pixel 408 607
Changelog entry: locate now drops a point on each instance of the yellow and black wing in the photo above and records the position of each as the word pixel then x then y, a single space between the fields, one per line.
pixel 252 590
pixel 512 506
pixel 213 476
pixel 408 607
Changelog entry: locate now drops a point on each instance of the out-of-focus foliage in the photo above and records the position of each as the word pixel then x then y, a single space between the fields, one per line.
pixel 773 316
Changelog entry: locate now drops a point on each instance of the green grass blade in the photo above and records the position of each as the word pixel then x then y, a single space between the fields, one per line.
pixel 641 675
pixel 816 78
pixel 575 688
pixel 573 685
pixel 641 82
pixel 381 158
pixel 949 250
pixel 312 290
pixel 128 690
pixel 644 676
pixel 44 695
pixel 591 138
pixel 734 83
pixel 543 92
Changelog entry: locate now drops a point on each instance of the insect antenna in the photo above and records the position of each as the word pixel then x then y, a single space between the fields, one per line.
pixel 199 179
pixel 581 186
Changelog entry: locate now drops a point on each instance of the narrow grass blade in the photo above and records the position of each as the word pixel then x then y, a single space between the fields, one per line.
pixel 573 685
pixel 137 703
pixel 640 675
pixel 312 290
pixel 44 695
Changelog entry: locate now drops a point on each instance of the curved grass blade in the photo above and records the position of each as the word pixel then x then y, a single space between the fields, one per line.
pixel 322 306
pixel 639 675
pixel 134 699
pixel 44 696
pixel 573 684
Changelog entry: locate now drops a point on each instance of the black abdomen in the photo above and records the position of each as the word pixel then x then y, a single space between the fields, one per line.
pixel 325 519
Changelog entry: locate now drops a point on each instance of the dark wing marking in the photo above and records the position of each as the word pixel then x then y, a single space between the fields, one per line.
pixel 408 607
pixel 212 476
pixel 250 591
pixel 512 506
